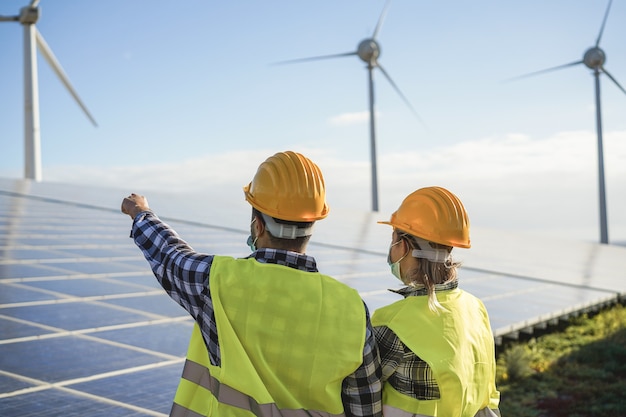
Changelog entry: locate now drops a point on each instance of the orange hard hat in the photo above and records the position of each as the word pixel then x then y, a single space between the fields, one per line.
pixel 288 186
pixel 433 214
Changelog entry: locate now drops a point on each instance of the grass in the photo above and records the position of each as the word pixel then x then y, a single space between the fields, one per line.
pixel 577 371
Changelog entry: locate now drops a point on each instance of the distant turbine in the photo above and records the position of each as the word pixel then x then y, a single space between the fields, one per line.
pixel 369 51
pixel 594 59
pixel 32 39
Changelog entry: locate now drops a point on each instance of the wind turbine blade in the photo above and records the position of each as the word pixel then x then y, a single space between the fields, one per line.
pixel 315 58
pixel 606 15
pixel 381 19
pixel 613 79
pixel 406 100
pixel 54 63
pixel 532 74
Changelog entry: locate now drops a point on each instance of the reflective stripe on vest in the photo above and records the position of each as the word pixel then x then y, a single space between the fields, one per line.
pixel 389 411
pixel 458 346
pixel 288 339
pixel 226 395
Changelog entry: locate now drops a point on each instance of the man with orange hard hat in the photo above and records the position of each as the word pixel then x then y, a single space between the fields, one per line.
pixel 273 336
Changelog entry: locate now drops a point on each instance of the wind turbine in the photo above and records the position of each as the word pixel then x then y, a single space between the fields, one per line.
pixel 594 58
pixel 368 51
pixel 28 16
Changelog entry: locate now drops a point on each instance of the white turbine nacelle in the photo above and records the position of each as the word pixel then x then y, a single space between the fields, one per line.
pixel 594 58
pixel 29 15
pixel 369 51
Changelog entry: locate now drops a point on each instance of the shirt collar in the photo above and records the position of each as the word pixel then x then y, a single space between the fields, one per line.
pixel 421 290
pixel 288 258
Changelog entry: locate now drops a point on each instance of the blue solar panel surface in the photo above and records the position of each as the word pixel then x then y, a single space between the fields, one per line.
pixel 85 329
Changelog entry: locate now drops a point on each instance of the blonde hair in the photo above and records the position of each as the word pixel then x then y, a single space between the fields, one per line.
pixel 429 273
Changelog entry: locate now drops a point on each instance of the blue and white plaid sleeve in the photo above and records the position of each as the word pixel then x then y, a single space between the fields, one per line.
pixel 362 391
pixel 182 272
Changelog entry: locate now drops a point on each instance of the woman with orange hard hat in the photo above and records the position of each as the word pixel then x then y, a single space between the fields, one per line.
pixel 436 344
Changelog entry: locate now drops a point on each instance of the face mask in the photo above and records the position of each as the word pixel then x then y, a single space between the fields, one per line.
pixel 252 243
pixel 395 266
pixel 395 269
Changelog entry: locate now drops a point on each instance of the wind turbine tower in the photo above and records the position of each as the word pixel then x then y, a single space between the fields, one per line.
pixel 368 51
pixel 33 40
pixel 594 58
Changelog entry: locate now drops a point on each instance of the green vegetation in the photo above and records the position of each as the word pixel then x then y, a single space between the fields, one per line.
pixel 578 371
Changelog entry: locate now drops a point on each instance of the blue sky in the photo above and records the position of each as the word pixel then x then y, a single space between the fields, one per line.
pixel 186 98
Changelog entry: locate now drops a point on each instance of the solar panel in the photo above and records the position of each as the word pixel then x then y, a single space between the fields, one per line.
pixel 85 329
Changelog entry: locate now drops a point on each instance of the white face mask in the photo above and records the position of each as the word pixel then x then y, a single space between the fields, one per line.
pixel 395 266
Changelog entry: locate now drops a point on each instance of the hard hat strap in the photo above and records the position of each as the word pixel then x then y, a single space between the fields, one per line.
pixel 285 231
pixel 429 253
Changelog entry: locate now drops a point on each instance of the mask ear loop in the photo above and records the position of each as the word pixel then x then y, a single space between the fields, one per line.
pixel 402 238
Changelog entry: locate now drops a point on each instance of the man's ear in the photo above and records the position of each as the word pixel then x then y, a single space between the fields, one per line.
pixel 259 227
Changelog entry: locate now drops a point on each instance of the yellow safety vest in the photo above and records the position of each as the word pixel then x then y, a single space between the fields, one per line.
pixel 458 346
pixel 288 339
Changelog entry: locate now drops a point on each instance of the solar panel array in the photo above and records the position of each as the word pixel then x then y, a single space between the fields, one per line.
pixel 85 329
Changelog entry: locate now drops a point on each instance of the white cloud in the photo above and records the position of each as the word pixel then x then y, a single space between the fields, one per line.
pixel 512 182
pixel 347 119
pixel 227 168
pixel 570 154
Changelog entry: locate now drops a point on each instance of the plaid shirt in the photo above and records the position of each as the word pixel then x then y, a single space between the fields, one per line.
pixel 405 371
pixel 184 274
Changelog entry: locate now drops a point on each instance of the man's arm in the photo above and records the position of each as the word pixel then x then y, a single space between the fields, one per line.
pixel 362 391
pixel 181 271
